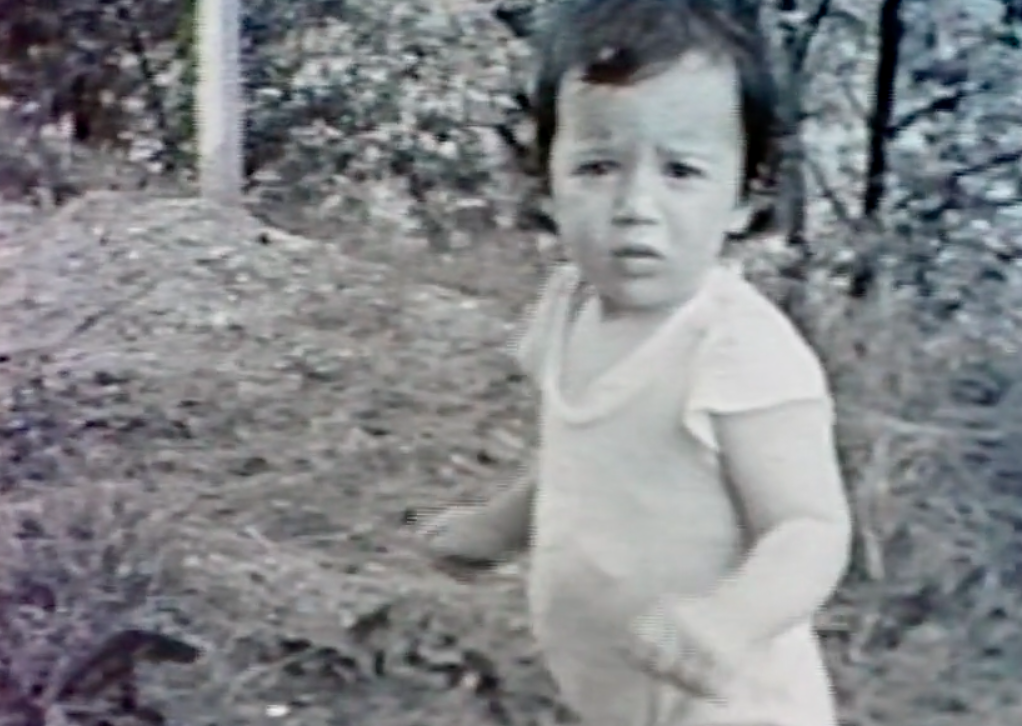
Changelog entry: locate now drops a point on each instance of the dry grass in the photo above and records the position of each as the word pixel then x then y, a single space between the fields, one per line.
pixel 80 569
pixel 270 535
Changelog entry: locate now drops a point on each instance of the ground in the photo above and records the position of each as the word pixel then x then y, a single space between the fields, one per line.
pixel 285 407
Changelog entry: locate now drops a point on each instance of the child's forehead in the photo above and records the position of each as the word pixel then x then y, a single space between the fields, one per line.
pixel 692 95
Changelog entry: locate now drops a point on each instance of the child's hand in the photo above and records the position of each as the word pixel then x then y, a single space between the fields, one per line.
pixel 686 644
pixel 458 544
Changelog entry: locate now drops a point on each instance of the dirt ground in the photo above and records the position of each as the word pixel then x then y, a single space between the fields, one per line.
pixel 297 406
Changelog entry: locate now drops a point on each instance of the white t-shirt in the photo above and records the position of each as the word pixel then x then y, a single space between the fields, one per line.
pixel 632 504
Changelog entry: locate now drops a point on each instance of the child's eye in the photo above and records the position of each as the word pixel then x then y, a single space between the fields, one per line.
pixel 680 170
pixel 595 168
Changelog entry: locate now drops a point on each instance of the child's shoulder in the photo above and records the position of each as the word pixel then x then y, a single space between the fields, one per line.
pixel 559 285
pixel 743 315
pixel 753 355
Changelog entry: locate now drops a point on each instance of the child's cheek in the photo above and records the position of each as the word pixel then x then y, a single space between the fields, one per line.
pixel 581 205
pixel 582 226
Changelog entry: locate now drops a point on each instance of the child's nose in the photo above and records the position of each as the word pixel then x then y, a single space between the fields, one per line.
pixel 634 202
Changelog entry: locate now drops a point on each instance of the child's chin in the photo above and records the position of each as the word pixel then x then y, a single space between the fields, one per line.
pixel 637 267
pixel 651 292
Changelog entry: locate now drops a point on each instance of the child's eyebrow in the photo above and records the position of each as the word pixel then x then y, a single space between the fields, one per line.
pixel 690 149
pixel 592 144
pixel 598 144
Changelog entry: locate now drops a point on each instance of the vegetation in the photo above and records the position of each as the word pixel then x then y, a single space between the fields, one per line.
pixel 390 133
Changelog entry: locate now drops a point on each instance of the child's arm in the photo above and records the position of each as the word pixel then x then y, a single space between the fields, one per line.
pixel 500 528
pixel 508 516
pixel 783 465
pixel 760 400
pixel 488 533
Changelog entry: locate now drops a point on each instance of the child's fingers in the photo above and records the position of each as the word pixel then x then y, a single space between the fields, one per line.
pixel 648 652
pixel 661 650
pixel 438 522
pixel 426 523
pixel 693 680
pixel 455 572
pixel 461 569
pixel 451 547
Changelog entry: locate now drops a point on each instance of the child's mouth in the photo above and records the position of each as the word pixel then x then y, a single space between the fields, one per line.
pixel 636 252
pixel 636 260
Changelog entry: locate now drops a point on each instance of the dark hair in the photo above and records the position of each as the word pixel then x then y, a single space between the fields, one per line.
pixel 617 42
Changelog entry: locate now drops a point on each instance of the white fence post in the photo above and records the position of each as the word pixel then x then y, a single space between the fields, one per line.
pixel 219 104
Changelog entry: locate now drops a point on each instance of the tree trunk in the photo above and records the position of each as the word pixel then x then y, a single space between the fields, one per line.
pixel 884 89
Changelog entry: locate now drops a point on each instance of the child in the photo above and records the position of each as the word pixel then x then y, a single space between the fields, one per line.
pixel 687 517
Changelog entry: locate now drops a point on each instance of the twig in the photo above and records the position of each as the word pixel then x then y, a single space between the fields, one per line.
pixel 840 208
pixel 810 28
pixel 947 103
pixel 1000 159
pixel 255 674
pixel 81 327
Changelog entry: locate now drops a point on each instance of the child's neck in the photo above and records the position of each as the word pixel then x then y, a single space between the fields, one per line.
pixel 612 311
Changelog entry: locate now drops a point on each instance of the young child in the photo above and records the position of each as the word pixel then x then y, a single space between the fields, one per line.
pixel 686 518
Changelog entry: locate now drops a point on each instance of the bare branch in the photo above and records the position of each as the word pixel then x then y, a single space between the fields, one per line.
pixel 844 214
pixel 800 49
pixel 857 108
pixel 948 102
pixel 1004 157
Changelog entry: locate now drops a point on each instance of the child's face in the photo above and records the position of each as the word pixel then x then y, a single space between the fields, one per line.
pixel 647 178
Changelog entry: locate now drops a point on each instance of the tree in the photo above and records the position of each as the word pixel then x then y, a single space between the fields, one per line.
pixel 891 31
pixel 219 101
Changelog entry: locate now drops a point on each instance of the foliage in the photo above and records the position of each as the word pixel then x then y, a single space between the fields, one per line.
pixel 406 116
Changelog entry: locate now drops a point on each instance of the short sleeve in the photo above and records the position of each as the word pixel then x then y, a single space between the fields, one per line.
pixel 529 343
pixel 752 358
